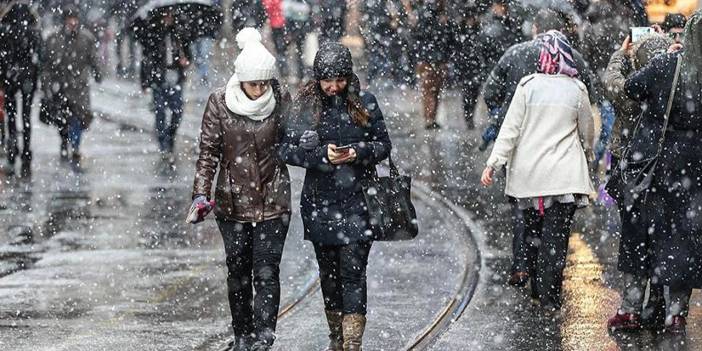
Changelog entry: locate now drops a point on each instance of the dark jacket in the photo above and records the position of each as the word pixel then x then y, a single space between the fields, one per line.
pixel 519 61
pixel 159 65
pixel 332 204
pixel 627 110
pixel 20 44
pixel 253 183
pixel 433 40
pixel 68 62
pixel 497 34
pixel 677 179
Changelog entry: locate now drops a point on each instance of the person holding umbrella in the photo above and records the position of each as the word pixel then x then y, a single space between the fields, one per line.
pixel 337 133
pixel 239 135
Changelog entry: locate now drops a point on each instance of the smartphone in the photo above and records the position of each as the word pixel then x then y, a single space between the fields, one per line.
pixel 343 148
pixel 635 33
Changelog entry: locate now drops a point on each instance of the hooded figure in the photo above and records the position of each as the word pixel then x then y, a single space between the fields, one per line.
pixel 674 190
pixel 544 143
pixel 635 241
pixel 337 133
pixel 241 128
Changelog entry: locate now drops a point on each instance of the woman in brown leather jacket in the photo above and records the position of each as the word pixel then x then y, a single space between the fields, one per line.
pixel 239 134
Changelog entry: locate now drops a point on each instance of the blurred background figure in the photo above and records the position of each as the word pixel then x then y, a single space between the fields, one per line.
pixel 247 13
pixel 20 44
pixel 125 46
pixel 332 19
pixel 433 43
pixel 69 59
pixel 297 24
pixel 469 65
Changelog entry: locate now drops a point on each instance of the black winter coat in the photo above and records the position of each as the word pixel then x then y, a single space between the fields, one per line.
pixel 160 66
pixel 676 192
pixel 519 61
pixel 332 204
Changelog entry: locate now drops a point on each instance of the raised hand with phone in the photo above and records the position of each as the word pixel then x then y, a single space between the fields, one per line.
pixel 340 154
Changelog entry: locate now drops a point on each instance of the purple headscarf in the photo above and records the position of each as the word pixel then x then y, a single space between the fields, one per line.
pixel 556 54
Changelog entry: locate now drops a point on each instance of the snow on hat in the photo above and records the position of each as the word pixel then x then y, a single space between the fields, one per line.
pixel 254 61
pixel 332 60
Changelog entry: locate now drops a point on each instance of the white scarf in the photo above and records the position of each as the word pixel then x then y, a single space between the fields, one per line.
pixel 239 103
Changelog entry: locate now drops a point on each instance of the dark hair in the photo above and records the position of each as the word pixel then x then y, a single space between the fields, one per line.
pixel 547 19
pixel 673 20
pixel 309 98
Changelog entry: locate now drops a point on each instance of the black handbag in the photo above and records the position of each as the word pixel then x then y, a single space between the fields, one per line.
pixel 390 209
pixel 638 175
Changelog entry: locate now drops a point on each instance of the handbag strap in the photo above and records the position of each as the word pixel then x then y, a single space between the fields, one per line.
pixel 669 107
pixel 394 172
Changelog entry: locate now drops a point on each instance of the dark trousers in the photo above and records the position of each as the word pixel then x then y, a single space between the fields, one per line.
pixel 547 239
pixel 26 94
pixel 171 98
pixel 342 271
pixel 471 91
pixel 253 259
pixel 520 246
pixel 333 22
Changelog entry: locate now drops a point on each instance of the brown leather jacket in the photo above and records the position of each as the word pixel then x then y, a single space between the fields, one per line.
pixel 253 183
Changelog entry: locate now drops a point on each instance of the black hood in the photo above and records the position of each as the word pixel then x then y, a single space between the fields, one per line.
pixel 332 60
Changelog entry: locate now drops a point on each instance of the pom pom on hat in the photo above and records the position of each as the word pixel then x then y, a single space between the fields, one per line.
pixel 247 35
pixel 254 61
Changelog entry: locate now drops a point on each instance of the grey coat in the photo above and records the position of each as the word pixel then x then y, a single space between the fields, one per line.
pixel 68 62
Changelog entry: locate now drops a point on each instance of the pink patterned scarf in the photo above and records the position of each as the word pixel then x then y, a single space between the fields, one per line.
pixel 556 54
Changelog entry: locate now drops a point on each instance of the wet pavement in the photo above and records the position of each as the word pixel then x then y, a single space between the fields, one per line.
pixel 99 258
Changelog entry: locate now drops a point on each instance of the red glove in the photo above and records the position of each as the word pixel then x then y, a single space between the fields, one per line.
pixel 199 209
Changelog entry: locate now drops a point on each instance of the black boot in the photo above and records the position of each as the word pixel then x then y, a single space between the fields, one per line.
pixel 64 151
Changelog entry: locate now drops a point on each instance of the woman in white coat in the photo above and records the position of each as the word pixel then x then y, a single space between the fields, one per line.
pixel 544 142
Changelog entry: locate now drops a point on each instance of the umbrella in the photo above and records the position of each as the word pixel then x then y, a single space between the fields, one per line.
pixel 193 18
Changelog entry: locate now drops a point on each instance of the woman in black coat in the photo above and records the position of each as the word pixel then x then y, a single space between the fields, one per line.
pixel 338 134
pixel 674 197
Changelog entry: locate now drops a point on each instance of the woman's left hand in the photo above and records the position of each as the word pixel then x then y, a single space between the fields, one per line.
pixel 486 179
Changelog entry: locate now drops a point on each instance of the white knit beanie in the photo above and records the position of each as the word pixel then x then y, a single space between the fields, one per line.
pixel 254 61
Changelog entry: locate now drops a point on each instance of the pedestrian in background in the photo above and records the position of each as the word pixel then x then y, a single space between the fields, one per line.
pixel 69 59
pixel 276 20
pixel 332 112
pixel 332 15
pixel 635 240
pixel 469 65
pixel 544 141
pixel 669 134
pixel 239 134
pixel 165 58
pixel 433 41
pixel 20 44
pixel 297 18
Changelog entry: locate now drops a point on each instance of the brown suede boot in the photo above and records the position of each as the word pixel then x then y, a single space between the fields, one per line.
pixel 354 325
pixel 336 337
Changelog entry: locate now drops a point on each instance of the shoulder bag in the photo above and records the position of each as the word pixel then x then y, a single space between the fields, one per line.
pixel 388 199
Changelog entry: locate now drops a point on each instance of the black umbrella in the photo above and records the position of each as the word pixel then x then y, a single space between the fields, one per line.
pixel 192 18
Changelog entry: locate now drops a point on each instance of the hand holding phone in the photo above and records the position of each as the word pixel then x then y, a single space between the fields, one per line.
pixel 344 148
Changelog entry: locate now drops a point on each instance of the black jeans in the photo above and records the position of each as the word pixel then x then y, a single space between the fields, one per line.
pixel 253 254
pixel 547 241
pixel 342 271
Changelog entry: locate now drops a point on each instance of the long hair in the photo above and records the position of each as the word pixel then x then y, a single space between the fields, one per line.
pixel 309 99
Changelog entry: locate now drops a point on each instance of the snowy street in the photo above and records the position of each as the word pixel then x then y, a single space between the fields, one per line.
pixel 111 264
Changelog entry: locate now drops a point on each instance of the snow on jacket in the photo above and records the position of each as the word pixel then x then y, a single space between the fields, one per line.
pixel 544 139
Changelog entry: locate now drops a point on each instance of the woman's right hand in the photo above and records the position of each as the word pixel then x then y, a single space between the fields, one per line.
pixel 486 179
pixel 337 158
pixel 199 209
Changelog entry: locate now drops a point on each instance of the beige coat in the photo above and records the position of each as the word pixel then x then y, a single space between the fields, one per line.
pixel 544 140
